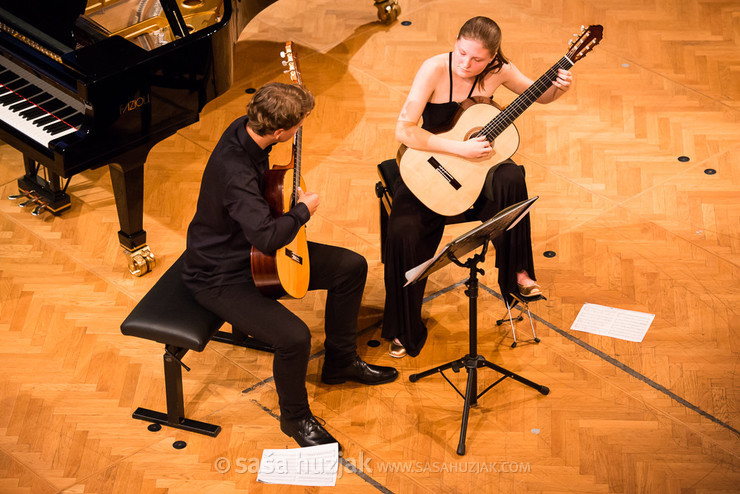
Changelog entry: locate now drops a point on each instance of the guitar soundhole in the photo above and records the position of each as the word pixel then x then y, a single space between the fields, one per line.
pixel 473 133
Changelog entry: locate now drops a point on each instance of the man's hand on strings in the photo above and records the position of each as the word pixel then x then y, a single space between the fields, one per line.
pixel 310 199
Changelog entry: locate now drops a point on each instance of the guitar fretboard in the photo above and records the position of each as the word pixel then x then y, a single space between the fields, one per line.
pixel 297 146
pixel 524 100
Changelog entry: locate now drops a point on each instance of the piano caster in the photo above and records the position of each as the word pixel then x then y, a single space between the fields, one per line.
pixel 388 10
pixel 141 261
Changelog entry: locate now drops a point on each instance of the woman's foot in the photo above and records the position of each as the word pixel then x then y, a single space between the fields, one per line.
pixel 527 286
pixel 396 349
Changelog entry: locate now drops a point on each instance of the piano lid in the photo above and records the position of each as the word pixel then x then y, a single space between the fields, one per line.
pixel 59 27
pixel 46 26
pixel 151 23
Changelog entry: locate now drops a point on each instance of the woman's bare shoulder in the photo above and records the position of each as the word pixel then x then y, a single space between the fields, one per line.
pixel 435 64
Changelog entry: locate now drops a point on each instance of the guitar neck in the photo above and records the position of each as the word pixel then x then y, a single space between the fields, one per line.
pixel 524 100
pixel 297 147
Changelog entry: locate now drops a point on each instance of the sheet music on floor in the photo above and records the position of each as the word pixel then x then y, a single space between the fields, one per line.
pixel 616 323
pixel 313 465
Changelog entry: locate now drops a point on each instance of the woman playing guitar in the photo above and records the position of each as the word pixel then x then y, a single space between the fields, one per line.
pixel 475 67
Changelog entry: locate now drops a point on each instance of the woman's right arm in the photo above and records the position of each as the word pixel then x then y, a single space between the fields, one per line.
pixel 409 132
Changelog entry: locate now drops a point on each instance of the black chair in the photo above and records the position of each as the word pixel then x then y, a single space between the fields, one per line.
pixel 169 314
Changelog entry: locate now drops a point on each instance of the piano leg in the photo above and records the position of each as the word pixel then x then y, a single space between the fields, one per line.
pixel 127 177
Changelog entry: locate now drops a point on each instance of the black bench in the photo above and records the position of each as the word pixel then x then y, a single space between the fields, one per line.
pixel 168 314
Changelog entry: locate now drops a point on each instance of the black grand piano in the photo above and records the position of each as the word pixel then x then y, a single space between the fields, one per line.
pixel 87 83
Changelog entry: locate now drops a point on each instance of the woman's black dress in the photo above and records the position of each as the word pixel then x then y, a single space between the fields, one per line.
pixel 414 233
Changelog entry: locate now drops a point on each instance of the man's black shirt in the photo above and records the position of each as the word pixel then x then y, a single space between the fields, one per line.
pixel 232 214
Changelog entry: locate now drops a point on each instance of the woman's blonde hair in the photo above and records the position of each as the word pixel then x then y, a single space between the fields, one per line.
pixel 278 106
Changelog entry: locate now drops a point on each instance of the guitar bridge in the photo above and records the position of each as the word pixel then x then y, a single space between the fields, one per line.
pixel 443 171
pixel 293 256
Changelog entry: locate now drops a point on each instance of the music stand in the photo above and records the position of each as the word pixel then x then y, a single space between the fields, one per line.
pixel 467 242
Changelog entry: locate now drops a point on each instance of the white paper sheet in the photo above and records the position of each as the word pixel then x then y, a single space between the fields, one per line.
pixel 615 323
pixel 314 465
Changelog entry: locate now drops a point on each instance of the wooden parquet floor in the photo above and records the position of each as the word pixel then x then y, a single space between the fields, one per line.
pixel 631 225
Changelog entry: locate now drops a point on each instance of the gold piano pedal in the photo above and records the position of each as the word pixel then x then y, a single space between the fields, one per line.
pixel 41 197
pixel 32 199
pixel 522 304
pixel 388 10
pixel 140 261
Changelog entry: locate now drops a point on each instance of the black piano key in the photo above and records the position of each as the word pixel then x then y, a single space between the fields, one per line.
pixel 42 97
pixel 75 120
pixel 53 105
pixel 64 112
pixel 59 112
pixel 45 120
pixel 32 113
pixel 7 77
pixel 35 108
pixel 21 105
pixel 29 91
pixel 17 84
pixel 56 128
pixel 9 98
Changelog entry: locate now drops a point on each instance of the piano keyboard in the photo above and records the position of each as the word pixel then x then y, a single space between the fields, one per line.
pixel 35 108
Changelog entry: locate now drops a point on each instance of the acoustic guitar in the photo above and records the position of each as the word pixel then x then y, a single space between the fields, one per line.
pixel 287 270
pixel 449 184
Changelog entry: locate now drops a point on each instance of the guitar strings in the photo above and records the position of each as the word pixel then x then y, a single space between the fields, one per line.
pixel 298 147
pixel 501 121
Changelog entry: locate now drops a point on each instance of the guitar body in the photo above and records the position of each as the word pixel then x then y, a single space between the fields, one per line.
pixel 287 270
pixel 449 184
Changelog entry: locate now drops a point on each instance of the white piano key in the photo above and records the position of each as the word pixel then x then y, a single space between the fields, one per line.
pixel 26 126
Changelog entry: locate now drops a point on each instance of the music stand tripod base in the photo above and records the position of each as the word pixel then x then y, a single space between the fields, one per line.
pixel 521 303
pixel 467 242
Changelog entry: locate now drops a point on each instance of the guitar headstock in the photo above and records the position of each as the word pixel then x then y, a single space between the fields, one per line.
pixel 590 37
pixel 290 60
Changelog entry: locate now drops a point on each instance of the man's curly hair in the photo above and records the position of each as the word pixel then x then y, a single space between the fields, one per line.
pixel 278 106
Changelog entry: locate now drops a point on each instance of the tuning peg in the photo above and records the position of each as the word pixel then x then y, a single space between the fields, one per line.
pixel 285 64
pixel 583 28
pixel 282 54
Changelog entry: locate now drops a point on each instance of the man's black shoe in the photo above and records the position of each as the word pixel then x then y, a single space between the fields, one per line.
pixel 359 371
pixel 307 431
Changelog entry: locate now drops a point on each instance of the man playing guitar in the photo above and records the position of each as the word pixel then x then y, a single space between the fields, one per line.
pixel 232 216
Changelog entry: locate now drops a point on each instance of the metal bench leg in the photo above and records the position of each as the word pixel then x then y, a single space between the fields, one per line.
pixel 175 416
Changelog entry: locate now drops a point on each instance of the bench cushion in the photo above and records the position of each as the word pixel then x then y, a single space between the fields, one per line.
pixel 169 314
